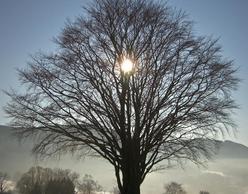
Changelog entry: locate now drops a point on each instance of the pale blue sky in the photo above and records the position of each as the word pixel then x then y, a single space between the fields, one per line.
pixel 28 26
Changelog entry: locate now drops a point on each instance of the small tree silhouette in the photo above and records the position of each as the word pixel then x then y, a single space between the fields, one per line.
pixel 204 192
pixel 174 188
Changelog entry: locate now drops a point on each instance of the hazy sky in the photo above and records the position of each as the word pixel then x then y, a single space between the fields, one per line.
pixel 28 26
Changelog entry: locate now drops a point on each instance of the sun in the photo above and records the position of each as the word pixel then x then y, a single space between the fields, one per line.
pixel 127 65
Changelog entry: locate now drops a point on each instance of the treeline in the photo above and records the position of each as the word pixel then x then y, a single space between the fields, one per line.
pixel 39 180
pixel 175 188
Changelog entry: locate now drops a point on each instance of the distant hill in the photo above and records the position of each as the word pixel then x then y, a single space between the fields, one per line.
pixel 227 149
pixel 230 149
pixel 4 130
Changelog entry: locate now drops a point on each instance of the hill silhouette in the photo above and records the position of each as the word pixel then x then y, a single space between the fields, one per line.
pixel 227 148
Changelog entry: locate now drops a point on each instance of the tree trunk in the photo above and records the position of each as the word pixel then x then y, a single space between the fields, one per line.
pixel 130 186
pixel 130 170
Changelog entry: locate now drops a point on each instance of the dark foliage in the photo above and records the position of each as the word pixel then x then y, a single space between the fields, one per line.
pixel 36 189
pixel 204 192
pixel 40 180
pixel 64 186
pixel 174 188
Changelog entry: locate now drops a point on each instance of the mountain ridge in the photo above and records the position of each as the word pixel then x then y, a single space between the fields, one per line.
pixel 226 149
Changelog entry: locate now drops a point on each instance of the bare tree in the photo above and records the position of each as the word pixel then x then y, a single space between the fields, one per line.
pixel 131 83
pixel 3 182
pixel 174 188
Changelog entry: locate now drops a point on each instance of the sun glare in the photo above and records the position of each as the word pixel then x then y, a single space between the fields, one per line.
pixel 127 65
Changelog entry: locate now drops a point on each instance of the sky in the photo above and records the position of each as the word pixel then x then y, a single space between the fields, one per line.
pixel 29 26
